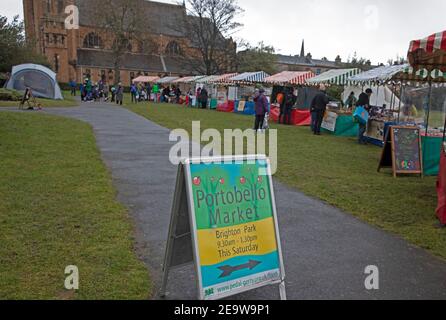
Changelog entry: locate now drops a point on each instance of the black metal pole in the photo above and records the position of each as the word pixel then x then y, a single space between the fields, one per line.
pixel 429 106
pixel 401 98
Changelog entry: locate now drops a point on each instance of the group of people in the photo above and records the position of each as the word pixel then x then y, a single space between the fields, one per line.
pixel 146 92
pixel 202 97
pixel 100 91
pixel 319 106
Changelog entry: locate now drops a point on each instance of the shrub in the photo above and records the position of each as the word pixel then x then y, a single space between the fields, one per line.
pixel 10 95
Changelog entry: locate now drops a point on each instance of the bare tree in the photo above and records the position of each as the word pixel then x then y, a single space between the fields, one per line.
pixel 209 24
pixel 125 21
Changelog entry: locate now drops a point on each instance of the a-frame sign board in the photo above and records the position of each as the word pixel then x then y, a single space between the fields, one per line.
pixel 402 151
pixel 224 220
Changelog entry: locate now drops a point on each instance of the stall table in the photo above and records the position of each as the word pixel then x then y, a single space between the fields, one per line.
pixel 441 188
pixel 228 106
pixel 299 117
pixel 432 147
pixel 245 107
pixel 213 104
pixel 377 130
pixel 339 124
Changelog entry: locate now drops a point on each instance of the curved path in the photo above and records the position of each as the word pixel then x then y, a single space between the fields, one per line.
pixel 325 249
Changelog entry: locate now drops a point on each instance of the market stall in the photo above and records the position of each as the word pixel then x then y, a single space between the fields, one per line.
pixel 300 115
pixel 385 104
pixel 189 84
pixel 219 89
pixel 207 82
pixel 430 54
pixel 245 85
pixel 337 120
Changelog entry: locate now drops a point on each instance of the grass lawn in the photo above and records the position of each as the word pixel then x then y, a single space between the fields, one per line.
pixel 58 208
pixel 68 101
pixel 336 170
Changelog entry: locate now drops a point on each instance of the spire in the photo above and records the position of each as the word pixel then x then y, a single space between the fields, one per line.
pixel 302 50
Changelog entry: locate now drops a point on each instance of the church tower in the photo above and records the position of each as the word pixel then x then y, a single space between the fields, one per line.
pixel 302 50
pixel 45 27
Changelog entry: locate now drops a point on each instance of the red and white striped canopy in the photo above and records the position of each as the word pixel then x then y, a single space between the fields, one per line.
pixel 145 79
pixel 429 53
pixel 290 77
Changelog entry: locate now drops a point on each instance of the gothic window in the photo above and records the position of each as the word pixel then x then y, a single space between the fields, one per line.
pixel 55 38
pixel 173 49
pixel 48 6
pixel 92 40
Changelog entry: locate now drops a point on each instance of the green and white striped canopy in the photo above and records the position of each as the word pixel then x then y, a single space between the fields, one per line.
pixel 335 76
pixel 379 75
pixel 421 75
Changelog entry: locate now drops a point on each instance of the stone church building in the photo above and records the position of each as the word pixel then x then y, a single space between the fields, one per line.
pixel 86 51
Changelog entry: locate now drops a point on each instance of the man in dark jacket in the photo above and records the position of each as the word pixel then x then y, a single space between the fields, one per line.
pixel 290 101
pixel 204 98
pixel 261 103
pixel 363 101
pixel 318 107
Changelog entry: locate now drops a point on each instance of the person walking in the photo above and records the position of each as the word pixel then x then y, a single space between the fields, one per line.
pixel 133 92
pixel 177 95
pixel 281 101
pixel 363 101
pixel 73 86
pixel 318 107
pixel 106 90
pixel 156 91
pixel 204 98
pixel 261 109
pixel 119 94
pixel 149 91
pixel 82 91
pixel 113 93
pixel 198 98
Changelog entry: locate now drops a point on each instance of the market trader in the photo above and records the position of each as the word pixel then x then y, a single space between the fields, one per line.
pixel 290 101
pixel 363 101
pixel 318 107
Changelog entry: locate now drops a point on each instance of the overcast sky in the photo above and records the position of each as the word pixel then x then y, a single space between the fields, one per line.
pixel 375 29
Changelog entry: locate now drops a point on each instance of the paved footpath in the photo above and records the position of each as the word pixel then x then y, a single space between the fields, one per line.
pixel 325 249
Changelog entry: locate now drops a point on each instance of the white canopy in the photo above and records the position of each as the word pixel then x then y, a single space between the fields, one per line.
pixel 41 80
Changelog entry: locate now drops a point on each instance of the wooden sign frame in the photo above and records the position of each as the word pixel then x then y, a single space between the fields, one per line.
pixel 183 245
pixel 389 146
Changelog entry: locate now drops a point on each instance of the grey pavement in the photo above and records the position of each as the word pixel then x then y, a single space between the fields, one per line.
pixel 325 250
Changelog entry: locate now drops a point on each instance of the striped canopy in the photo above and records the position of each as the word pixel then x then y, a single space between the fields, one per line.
pixel 192 79
pixel 208 79
pixel 250 77
pixel 422 75
pixel 223 79
pixel 336 76
pixel 429 53
pixel 378 75
pixel 167 80
pixel 145 79
pixel 289 77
